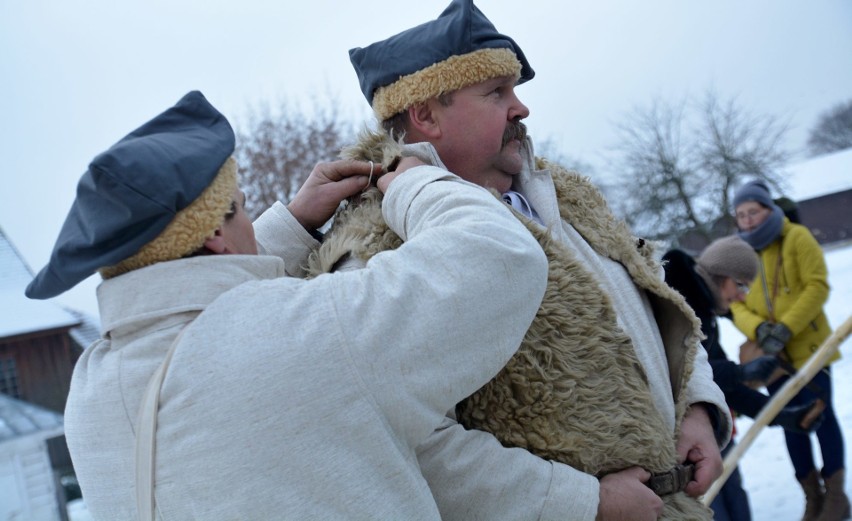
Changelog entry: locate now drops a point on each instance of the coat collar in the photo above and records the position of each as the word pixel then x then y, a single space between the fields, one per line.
pixel 182 286
pixel 537 186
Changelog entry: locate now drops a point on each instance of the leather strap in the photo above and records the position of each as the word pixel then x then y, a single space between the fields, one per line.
pixel 770 300
pixel 146 432
pixel 675 480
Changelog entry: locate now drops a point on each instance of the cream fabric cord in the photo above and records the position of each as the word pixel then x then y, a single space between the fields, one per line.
pixel 146 440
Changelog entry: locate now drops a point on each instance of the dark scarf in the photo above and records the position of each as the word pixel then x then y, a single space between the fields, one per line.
pixel 767 232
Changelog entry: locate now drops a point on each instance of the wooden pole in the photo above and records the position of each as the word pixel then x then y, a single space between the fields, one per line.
pixel 790 389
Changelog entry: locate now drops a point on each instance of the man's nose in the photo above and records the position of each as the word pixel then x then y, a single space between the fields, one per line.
pixel 518 110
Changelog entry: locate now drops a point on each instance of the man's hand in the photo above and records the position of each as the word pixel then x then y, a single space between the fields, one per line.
pixel 697 444
pixel 326 186
pixel 624 496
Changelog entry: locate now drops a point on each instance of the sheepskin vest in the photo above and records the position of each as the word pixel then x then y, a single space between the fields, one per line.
pixel 575 392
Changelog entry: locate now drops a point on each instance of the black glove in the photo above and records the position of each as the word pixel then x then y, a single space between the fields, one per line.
pixel 790 417
pixel 772 337
pixel 762 331
pixel 758 370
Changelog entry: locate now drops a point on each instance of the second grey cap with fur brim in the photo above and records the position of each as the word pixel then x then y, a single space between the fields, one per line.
pixel 133 191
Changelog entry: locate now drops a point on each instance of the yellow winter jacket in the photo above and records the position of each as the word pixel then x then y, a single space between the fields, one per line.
pixel 798 291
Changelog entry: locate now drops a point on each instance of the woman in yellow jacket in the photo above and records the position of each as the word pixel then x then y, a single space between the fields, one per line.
pixel 783 313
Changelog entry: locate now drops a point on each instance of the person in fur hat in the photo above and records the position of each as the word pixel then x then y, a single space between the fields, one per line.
pixel 720 276
pixel 784 314
pixel 608 410
pixel 228 387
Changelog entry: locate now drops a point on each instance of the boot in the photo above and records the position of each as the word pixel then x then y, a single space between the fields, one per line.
pixel 835 504
pixel 813 496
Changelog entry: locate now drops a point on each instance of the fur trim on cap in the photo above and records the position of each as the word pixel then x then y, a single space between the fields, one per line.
pixel 454 73
pixel 190 227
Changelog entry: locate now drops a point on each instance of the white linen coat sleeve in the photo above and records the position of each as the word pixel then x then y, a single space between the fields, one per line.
pixel 473 477
pixel 429 323
pixel 702 389
pixel 278 233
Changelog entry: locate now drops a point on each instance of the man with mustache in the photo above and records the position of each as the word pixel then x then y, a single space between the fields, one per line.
pixel 609 392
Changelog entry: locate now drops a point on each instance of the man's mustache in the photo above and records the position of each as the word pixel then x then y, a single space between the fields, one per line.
pixel 514 130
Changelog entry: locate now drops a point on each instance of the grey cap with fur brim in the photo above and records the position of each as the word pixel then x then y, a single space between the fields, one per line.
pixel 461 30
pixel 132 192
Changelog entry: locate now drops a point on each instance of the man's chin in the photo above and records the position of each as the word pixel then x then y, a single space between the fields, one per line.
pixel 502 182
pixel 511 159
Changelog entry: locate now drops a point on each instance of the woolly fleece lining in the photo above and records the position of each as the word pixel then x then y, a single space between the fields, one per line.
pixel 454 73
pixel 190 227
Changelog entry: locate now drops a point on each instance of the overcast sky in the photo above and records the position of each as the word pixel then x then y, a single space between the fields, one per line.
pixel 77 76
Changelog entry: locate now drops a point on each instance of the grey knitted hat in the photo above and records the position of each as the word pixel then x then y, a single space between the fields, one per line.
pixel 754 191
pixel 730 257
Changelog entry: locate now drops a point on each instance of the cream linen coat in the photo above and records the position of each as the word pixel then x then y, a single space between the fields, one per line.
pixel 293 399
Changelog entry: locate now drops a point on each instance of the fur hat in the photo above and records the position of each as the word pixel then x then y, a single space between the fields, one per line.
pixel 458 49
pixel 729 257
pixel 156 195
pixel 754 191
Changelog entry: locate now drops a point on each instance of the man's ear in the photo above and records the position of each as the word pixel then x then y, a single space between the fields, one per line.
pixel 423 120
pixel 216 243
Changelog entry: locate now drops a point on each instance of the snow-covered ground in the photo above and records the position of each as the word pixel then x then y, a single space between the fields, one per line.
pixel 767 472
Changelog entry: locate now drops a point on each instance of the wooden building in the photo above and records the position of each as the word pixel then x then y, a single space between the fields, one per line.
pixel 39 344
pixel 29 487
pixel 37 352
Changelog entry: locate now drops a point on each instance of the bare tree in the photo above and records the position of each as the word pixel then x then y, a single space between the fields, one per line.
pixel 833 130
pixel 278 147
pixel 684 160
pixel 659 197
pixel 734 145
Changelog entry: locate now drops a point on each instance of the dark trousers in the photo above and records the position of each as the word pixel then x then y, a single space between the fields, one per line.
pixel 731 504
pixel 829 435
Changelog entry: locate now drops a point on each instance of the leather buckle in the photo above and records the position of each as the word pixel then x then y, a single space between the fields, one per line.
pixel 674 480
